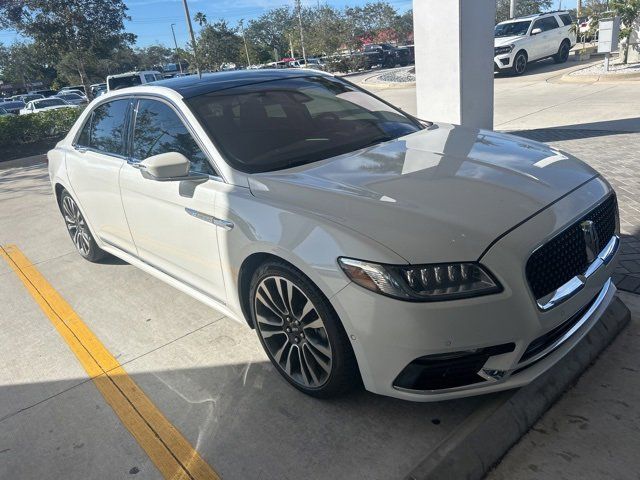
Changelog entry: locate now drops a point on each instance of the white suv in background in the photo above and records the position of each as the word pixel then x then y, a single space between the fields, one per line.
pixel 526 39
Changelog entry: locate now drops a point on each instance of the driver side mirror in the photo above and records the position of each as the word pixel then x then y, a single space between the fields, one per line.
pixel 167 167
pixel 536 31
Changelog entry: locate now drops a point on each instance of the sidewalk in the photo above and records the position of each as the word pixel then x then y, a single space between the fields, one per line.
pixel 593 432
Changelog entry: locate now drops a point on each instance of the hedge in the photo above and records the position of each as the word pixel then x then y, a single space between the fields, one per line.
pixel 34 127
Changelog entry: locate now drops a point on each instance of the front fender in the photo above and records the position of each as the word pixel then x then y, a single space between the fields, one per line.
pixel 309 242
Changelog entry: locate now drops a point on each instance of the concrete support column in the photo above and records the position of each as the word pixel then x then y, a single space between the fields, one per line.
pixel 454 60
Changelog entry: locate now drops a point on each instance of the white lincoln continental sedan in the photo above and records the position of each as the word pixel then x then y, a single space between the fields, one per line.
pixel 423 260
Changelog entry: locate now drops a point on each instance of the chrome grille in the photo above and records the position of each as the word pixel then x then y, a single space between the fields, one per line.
pixel 565 255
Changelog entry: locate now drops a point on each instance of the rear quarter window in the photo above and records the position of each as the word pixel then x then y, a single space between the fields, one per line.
pixel 566 19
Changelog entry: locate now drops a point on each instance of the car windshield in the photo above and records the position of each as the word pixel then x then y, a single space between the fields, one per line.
pixel 288 122
pixel 512 29
pixel 49 102
pixel 70 96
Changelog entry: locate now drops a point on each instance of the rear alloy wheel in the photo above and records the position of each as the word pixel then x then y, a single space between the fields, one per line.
pixel 520 63
pixel 563 53
pixel 300 332
pixel 79 230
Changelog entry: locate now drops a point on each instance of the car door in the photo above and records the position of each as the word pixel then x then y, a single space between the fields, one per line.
pixel 172 222
pixel 94 166
pixel 545 43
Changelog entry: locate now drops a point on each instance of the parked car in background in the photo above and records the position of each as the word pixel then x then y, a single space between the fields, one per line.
pixel 407 54
pixel 45 93
pixel 131 79
pixel 79 88
pixel 44 104
pixel 584 29
pixel 13 106
pixel 96 88
pixel 390 57
pixel 426 260
pixel 526 39
pixel 30 96
pixel 314 63
pixel 73 98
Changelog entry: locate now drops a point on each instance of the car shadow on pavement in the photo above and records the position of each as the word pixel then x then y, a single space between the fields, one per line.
pixel 242 418
pixel 582 130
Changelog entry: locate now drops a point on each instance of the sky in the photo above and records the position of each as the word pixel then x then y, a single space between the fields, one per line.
pixel 151 19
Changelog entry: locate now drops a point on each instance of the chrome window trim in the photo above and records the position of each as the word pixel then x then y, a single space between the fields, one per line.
pixel 577 283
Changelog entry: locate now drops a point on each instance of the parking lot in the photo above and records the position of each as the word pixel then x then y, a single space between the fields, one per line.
pixel 109 373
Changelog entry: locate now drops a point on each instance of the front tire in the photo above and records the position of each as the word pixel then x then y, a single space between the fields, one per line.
pixel 563 53
pixel 79 230
pixel 520 63
pixel 300 332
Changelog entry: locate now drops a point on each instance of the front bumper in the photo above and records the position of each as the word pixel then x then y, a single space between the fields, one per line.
pixel 503 62
pixel 388 335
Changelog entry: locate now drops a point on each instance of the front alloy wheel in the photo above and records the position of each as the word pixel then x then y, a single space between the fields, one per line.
pixel 300 332
pixel 520 63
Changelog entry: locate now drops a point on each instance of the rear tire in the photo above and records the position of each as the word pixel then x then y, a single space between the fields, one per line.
pixel 300 332
pixel 563 53
pixel 78 229
pixel 520 63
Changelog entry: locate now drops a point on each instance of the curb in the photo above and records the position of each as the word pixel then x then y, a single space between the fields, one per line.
pixel 612 78
pixel 24 162
pixel 486 436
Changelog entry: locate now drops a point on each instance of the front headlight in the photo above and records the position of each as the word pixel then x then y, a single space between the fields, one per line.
pixel 425 283
pixel 502 50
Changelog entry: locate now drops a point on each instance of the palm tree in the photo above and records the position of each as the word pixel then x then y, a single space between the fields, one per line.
pixel 201 19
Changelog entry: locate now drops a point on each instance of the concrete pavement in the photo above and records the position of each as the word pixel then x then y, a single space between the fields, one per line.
pixel 593 432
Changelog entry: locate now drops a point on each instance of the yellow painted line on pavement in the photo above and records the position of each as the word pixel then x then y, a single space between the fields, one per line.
pixel 172 454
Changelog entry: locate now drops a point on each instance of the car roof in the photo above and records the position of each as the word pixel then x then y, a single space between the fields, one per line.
pixel 192 85
pixel 535 15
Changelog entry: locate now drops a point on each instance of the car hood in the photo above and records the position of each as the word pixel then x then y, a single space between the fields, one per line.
pixel 441 194
pixel 500 41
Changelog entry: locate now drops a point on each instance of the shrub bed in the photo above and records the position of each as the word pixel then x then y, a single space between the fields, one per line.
pixel 18 130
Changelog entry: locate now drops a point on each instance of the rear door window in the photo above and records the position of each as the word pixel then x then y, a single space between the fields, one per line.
pixel 546 24
pixel 105 130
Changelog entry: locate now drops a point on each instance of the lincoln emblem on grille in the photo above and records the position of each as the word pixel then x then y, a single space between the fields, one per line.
pixel 591 240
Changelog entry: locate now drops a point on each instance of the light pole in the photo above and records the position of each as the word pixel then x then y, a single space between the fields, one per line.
pixel 512 9
pixel 304 54
pixel 193 37
pixel 175 42
pixel 246 49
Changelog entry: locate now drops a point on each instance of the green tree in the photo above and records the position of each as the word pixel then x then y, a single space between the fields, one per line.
pixel 270 32
pixel 153 57
pixel 200 18
pixel 629 11
pixel 523 7
pixel 23 64
pixel 78 31
pixel 217 44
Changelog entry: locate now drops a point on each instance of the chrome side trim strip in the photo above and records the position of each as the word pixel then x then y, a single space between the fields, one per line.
pixel 218 222
pixel 576 284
